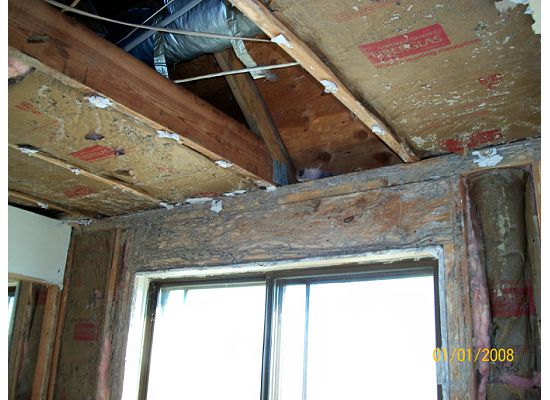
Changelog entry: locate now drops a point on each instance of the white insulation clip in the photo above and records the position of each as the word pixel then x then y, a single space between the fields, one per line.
pixel 100 102
pixel 168 135
pixel 282 40
pixel 330 87
pixel 224 164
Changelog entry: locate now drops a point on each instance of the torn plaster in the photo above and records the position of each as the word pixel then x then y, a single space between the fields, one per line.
pixel 217 206
pixel 224 164
pixel 234 193
pixel 99 102
pixel 377 130
pixel 168 135
pixel 487 158
pixel 28 150
pixel 533 8
pixel 198 200
pixel 168 206
pixel 330 87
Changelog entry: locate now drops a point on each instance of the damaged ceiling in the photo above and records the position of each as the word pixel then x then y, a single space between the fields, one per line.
pixel 95 132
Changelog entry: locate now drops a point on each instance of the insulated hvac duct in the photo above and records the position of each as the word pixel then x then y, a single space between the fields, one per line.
pixel 212 16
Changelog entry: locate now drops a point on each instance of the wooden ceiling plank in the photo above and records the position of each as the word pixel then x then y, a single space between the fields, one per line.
pixel 79 171
pixel 255 111
pixel 297 49
pixel 50 205
pixel 79 55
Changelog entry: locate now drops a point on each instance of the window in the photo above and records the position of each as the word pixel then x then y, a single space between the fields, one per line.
pixel 12 290
pixel 352 332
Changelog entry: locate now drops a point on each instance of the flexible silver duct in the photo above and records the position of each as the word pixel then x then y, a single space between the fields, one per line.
pixel 214 16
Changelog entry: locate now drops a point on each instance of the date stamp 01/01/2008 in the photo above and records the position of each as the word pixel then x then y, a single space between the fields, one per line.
pixel 483 354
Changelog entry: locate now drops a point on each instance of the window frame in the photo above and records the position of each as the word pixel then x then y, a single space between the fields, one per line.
pixel 392 264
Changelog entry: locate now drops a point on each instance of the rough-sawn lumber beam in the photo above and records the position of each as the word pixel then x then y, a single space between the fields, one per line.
pixel 297 49
pixel 255 111
pixel 74 51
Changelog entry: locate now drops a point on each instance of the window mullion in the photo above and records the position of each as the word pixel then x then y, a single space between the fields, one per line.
pixel 306 334
pixel 266 352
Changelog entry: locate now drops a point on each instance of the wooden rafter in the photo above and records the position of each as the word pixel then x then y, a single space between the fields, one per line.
pixel 297 49
pixel 46 345
pixel 83 59
pixel 255 110
pixel 50 205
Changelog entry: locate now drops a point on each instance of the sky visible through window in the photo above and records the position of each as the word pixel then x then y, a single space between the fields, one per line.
pixel 207 344
pixel 368 339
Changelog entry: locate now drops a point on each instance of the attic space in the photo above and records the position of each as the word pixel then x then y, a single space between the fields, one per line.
pixel 274 199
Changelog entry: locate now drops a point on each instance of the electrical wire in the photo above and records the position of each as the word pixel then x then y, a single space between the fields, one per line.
pixel 144 22
pixel 166 30
pixel 237 71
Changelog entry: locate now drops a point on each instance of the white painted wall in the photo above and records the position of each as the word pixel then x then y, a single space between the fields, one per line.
pixel 37 246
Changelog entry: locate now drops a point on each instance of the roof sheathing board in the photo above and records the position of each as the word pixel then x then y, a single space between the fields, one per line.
pixel 445 75
pixel 318 131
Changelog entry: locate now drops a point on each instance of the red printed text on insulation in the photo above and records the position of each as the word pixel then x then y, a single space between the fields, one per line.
pixel 402 46
pixel 87 331
pixel 94 153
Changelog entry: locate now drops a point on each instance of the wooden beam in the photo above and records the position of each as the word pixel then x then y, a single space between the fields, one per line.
pixel 255 111
pixel 53 206
pixel 103 382
pixel 79 171
pixel 297 49
pixel 537 182
pixel 87 61
pixel 61 319
pixel 516 154
pixel 21 327
pixel 46 347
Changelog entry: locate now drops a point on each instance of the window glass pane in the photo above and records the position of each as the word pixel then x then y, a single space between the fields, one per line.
pixel 207 343
pixel 11 306
pixel 292 320
pixel 368 339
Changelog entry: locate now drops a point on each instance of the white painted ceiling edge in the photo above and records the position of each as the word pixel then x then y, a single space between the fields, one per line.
pixel 37 246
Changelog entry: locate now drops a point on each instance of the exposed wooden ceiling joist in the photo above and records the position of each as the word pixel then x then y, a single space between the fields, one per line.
pixel 72 51
pixel 296 48
pixel 255 111
pixel 32 201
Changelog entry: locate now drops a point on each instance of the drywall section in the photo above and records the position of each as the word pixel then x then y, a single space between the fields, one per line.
pixel 37 246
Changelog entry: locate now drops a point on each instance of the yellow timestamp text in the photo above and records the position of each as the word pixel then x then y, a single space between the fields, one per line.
pixel 483 354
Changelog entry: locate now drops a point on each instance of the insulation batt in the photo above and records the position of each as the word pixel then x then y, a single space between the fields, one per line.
pixel 499 198
pixel 479 293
